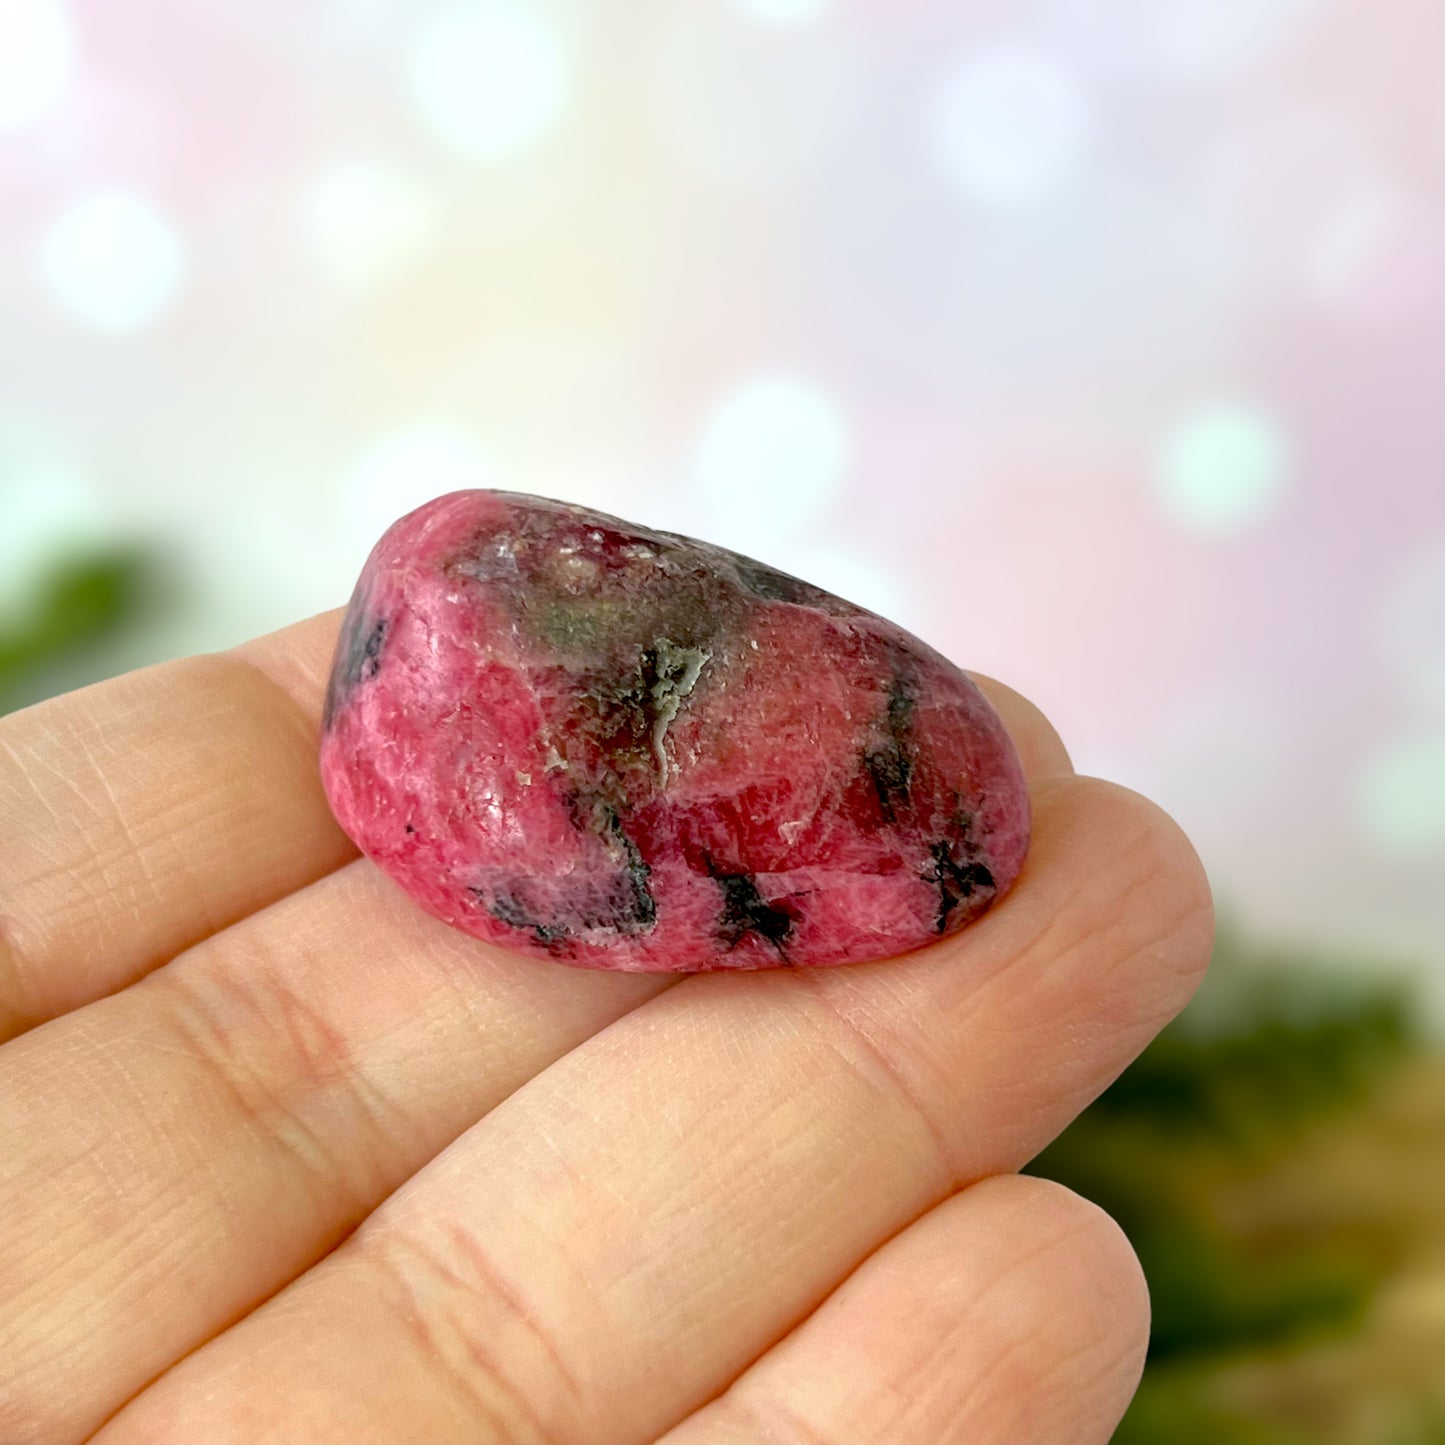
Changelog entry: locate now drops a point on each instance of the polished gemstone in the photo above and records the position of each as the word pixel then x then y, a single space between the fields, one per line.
pixel 620 748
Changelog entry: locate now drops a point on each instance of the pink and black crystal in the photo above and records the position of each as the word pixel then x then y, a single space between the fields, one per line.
pixel 620 748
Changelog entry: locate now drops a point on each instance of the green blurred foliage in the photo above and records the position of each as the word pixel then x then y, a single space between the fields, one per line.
pixel 82 608
pixel 1273 1038
pixel 1275 1047
pixel 1163 1413
pixel 1167 1411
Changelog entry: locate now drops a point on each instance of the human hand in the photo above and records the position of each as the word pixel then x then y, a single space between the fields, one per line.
pixel 283 1159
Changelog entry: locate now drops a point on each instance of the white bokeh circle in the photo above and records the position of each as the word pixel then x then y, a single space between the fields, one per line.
pixel 367 223
pixel 37 60
pixel 772 453
pixel 400 470
pixel 1010 126
pixel 114 261
pixel 1223 468
pixel 1402 795
pixel 489 79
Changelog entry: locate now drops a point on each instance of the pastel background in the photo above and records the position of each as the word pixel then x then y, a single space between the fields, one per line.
pixel 1101 342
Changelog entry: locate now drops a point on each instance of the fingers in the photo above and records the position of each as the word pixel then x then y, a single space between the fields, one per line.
pixel 267 1088
pixel 211 1131
pixel 1041 749
pixel 1015 1311
pixel 144 813
pixel 622 1236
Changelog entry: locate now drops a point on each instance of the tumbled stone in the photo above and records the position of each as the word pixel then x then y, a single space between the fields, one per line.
pixel 620 748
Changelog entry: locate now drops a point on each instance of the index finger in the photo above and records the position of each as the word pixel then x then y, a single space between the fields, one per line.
pixel 145 813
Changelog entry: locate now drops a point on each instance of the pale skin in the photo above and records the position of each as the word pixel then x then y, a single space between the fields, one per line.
pixel 284 1161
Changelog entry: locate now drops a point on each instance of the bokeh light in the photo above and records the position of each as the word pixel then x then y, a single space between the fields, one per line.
pixel 114 261
pixel 1402 795
pixel 772 454
pixel 368 223
pixel 1223 469
pixel 784 12
pixel 489 79
pixel 37 60
pixel 402 469
pixel 1010 126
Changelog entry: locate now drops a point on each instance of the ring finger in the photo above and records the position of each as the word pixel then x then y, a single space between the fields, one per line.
pixel 1013 1311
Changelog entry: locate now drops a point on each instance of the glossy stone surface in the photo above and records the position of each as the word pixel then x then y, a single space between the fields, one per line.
pixel 619 748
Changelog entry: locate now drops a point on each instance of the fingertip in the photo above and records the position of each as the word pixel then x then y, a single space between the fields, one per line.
pixel 1041 749
pixel 1168 861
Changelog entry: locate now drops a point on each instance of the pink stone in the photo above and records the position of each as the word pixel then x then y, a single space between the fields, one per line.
pixel 619 748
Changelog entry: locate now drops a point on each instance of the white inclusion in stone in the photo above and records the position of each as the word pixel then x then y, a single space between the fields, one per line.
pixel 1009 127
pixel 678 669
pixel 404 469
pixel 367 223
pixel 1223 468
pixel 114 262
pixel 1413 625
pixel 489 79
pixel 1402 795
pixel 37 60
pixel 784 12
pixel 772 454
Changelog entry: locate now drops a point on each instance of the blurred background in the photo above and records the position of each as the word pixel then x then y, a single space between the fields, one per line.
pixel 1100 342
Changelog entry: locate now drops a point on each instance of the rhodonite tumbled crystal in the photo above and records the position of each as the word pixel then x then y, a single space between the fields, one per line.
pixel 619 748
